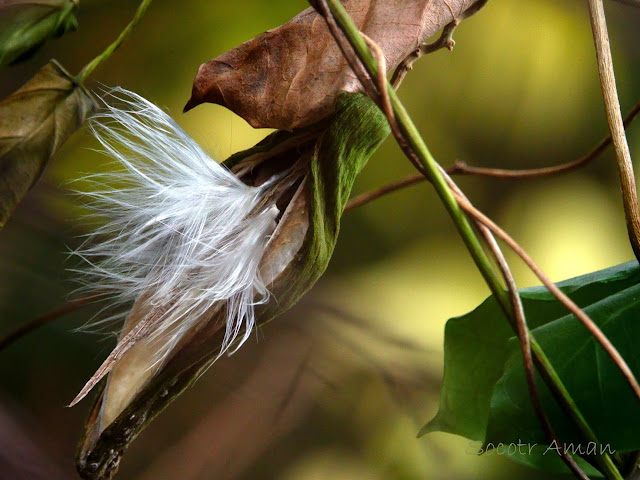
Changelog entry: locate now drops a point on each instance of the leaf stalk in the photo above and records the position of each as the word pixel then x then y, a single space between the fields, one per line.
pixel 93 64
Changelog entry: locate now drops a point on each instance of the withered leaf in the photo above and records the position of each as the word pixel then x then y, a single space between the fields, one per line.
pixel 290 76
pixel 25 26
pixel 34 122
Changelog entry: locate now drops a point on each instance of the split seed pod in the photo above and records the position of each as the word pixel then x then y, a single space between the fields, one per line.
pixel 307 175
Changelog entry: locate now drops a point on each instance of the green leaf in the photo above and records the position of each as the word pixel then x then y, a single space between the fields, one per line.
pixel 598 388
pixel 479 403
pixel 25 26
pixel 476 347
pixel 34 122
pixel 544 457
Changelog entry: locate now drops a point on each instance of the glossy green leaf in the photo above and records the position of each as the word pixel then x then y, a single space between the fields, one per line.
pixel 34 122
pixel 479 344
pixel 598 388
pixel 545 457
pixel 25 26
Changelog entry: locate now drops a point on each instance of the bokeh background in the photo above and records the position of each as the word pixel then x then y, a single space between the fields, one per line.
pixel 339 386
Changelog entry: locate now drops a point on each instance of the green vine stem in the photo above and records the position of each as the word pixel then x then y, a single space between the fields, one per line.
pixel 518 323
pixel 93 64
pixel 431 169
pixel 429 164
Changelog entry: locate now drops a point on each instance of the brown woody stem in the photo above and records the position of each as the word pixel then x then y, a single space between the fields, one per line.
pixel 444 41
pixel 614 119
pixel 461 168
pixel 49 317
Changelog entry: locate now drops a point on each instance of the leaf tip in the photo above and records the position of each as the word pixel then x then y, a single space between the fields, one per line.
pixel 429 427
pixel 193 102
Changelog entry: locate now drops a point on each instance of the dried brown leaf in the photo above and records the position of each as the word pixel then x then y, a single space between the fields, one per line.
pixel 290 76
pixel 34 122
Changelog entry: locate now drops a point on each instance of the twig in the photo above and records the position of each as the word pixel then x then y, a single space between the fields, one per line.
pixel 91 66
pixel 381 79
pixel 461 168
pixel 607 465
pixel 444 41
pixel 522 331
pixel 614 119
pixel 554 290
pixel 367 197
pixel 29 327
pixel 631 3
pixel 540 359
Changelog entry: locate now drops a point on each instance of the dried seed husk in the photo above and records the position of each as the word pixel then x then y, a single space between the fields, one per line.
pixel 34 123
pixel 298 253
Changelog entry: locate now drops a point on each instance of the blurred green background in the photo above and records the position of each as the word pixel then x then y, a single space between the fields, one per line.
pixel 339 386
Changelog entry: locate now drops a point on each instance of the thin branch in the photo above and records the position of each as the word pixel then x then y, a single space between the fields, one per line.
pixel 546 369
pixel 370 196
pixel 425 161
pixel 461 168
pixel 444 41
pixel 614 119
pixel 367 197
pixel 605 462
pixel 522 331
pixel 49 317
pixel 631 3
pixel 381 79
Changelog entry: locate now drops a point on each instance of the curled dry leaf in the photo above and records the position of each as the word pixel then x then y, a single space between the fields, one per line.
pixel 325 159
pixel 289 77
pixel 34 122
pixel 25 26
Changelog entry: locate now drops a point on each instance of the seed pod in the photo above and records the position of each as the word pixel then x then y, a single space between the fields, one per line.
pixel 321 162
pixel 34 123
